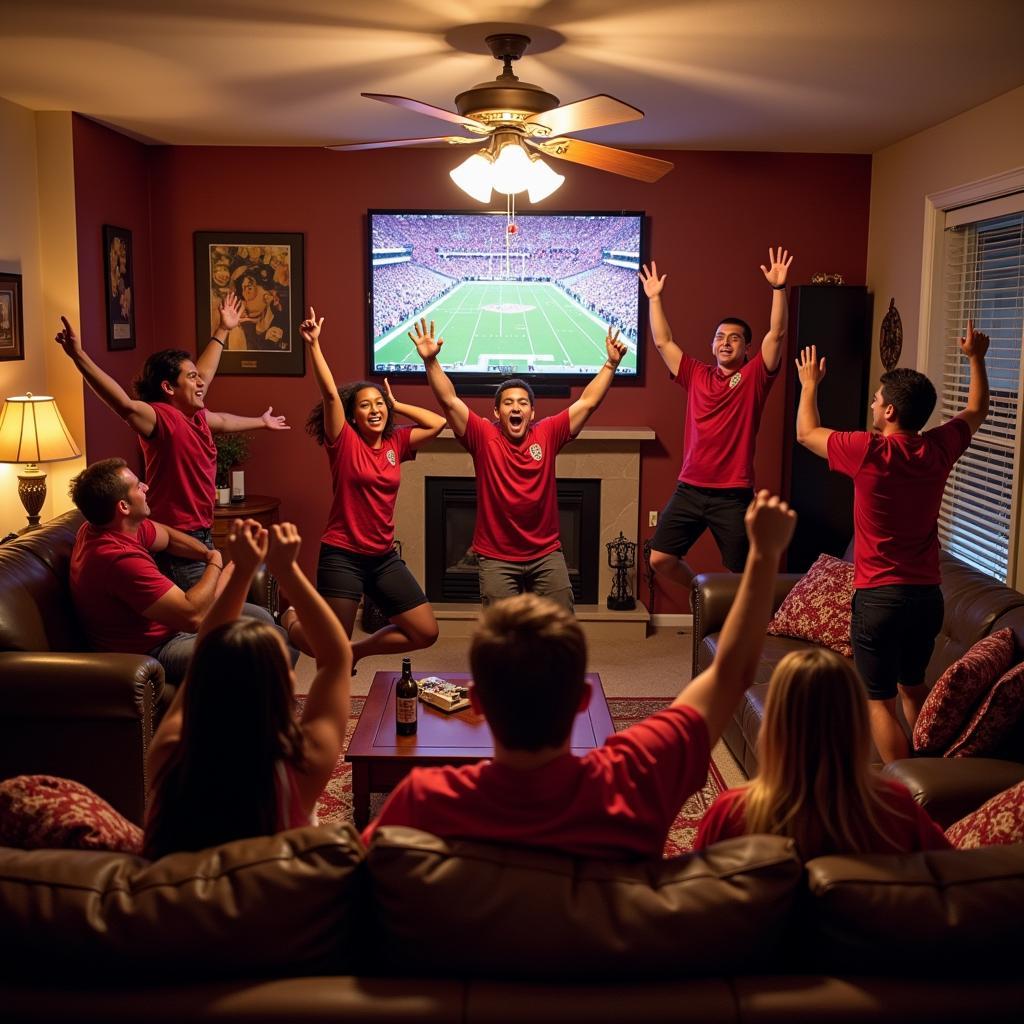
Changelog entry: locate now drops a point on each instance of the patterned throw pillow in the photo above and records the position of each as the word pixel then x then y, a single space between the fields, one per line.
pixel 43 812
pixel 998 822
pixel 819 607
pixel 999 713
pixel 958 691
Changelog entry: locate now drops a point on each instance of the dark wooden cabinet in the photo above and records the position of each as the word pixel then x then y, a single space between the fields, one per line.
pixel 836 318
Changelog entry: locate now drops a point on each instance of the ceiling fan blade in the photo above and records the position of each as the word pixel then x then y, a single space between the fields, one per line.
pixel 592 112
pixel 605 158
pixel 391 143
pixel 424 108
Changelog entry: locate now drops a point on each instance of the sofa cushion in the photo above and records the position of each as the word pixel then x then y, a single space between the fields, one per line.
pixel 818 608
pixel 958 691
pixel 534 914
pixel 995 719
pixel 997 822
pixel 39 812
pixel 280 904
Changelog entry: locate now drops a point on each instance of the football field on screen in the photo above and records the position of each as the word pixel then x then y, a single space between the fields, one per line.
pixel 506 324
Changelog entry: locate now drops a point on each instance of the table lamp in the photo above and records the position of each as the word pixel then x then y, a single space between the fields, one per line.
pixel 33 431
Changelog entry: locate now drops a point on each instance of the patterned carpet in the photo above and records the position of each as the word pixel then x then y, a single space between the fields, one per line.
pixel 336 803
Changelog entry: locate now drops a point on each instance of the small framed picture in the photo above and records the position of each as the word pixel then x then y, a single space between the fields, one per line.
pixel 117 258
pixel 12 327
pixel 264 270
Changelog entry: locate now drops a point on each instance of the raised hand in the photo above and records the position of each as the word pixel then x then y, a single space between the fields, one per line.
pixel 389 394
pixel 231 310
pixel 246 545
pixel 426 345
pixel 650 280
pixel 283 549
pixel 272 422
pixel 778 266
pixel 973 345
pixel 310 327
pixel 808 369
pixel 616 348
pixel 770 523
pixel 68 339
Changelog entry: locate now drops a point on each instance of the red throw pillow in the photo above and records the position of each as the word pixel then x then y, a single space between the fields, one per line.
pixel 42 812
pixel 998 822
pixel 999 713
pixel 961 687
pixel 819 607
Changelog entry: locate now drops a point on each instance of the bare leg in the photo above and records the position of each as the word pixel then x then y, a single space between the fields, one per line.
pixel 912 698
pixel 886 731
pixel 408 631
pixel 342 607
pixel 672 568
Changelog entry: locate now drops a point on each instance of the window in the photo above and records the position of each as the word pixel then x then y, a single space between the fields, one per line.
pixel 984 280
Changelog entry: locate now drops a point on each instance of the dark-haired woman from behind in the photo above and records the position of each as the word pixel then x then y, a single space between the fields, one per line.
pixel 815 782
pixel 230 759
pixel 365 450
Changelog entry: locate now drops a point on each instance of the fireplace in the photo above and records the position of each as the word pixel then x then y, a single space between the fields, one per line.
pixel 450 515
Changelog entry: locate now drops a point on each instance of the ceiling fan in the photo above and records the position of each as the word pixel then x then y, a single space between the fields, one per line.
pixel 518 121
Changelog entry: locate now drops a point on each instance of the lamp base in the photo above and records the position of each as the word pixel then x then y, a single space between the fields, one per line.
pixel 32 491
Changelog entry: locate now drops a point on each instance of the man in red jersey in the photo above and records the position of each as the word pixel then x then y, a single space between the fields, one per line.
pixel 516 538
pixel 529 658
pixel 174 428
pixel 122 600
pixel 898 475
pixel 723 412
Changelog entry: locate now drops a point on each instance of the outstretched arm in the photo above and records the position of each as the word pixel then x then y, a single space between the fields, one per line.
pixel 775 274
pixel 717 690
pixel 809 431
pixel 231 310
pixel 334 413
pixel 669 351
pixel 454 408
pixel 593 394
pixel 229 423
pixel 428 423
pixel 138 415
pixel 974 346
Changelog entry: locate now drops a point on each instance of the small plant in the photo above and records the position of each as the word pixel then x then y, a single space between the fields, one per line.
pixel 232 450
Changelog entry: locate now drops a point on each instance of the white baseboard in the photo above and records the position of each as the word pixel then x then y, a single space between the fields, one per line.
pixel 665 621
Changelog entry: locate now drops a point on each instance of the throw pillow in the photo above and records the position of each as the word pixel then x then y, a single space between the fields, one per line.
pixel 819 607
pixel 998 822
pixel 43 812
pixel 958 691
pixel 999 713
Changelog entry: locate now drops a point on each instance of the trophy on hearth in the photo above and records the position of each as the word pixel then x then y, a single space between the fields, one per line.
pixel 621 558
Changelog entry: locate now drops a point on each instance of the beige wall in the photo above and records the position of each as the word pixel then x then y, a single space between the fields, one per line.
pixel 35 234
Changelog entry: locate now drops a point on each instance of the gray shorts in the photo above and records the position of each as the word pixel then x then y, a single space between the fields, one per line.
pixel 546 576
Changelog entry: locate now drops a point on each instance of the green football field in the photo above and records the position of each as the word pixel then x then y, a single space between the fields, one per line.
pixel 507 326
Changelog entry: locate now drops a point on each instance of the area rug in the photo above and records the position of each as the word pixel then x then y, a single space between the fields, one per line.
pixel 336 803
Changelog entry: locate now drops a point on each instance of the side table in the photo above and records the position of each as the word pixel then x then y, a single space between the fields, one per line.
pixel 261 507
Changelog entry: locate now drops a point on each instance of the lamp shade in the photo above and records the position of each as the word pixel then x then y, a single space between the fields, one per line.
pixel 33 430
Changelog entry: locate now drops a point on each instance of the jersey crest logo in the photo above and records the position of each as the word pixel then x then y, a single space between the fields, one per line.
pixel 536 452
pixel 391 457
pixel 735 379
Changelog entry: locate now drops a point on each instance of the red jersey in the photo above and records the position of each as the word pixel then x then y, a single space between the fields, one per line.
pixel 617 801
pixel 365 481
pixel 516 492
pixel 181 468
pixel 906 826
pixel 723 412
pixel 113 579
pixel 898 482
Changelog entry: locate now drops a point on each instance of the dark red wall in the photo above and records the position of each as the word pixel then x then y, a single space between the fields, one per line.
pixel 711 222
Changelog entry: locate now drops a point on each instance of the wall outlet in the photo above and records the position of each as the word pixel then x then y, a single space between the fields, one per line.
pixel 652 518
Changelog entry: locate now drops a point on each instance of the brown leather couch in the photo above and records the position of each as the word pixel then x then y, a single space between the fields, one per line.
pixel 307 926
pixel 975 605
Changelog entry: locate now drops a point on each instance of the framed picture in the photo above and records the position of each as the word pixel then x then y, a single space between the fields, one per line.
pixel 117 258
pixel 12 327
pixel 265 271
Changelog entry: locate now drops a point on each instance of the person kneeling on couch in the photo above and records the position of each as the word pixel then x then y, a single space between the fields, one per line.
pixel 529 658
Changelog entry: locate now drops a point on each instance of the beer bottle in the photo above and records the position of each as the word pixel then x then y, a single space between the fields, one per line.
pixel 405 701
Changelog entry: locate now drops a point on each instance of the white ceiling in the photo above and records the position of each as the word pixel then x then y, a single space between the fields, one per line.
pixel 786 75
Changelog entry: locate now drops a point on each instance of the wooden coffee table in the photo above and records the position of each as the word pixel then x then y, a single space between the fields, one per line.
pixel 380 758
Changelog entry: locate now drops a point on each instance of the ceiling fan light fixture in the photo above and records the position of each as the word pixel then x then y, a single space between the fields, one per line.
pixel 473 176
pixel 543 180
pixel 512 171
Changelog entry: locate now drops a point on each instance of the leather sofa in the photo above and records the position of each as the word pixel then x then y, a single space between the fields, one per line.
pixel 307 925
pixel 975 605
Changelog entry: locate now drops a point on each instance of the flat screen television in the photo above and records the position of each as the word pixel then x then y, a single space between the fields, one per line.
pixel 534 302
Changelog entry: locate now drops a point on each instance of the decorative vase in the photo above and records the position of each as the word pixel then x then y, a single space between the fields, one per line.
pixel 223 495
pixel 237 485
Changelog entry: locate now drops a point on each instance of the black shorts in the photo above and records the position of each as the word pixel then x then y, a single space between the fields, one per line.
pixel 893 633
pixel 692 510
pixel 385 579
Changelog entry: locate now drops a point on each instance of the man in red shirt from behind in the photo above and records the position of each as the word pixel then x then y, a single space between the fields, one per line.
pixel 899 475
pixel 516 537
pixel 528 659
